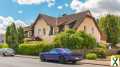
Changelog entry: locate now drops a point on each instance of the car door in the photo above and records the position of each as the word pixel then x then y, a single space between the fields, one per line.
pixel 53 55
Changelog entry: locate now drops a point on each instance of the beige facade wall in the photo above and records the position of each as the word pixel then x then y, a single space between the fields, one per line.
pixel 89 27
pixel 41 29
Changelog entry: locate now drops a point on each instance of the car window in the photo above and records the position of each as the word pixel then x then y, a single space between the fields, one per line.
pixel 66 51
pixel 53 51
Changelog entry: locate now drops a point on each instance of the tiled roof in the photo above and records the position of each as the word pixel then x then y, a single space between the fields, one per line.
pixel 66 19
pixel 53 21
pixel 28 28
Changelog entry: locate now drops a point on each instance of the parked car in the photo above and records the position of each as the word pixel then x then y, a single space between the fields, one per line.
pixel 7 52
pixel 62 55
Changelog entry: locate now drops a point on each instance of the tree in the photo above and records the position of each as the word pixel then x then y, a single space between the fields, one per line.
pixel 20 35
pixel 75 40
pixel 89 42
pixel 110 25
pixel 11 36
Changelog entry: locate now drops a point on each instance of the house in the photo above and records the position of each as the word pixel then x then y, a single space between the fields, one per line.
pixel 2 38
pixel 46 26
pixel 28 32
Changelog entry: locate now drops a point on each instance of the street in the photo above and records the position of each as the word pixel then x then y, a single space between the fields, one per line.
pixel 29 62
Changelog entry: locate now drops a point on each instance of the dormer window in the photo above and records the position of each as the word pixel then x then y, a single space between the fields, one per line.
pixel 71 25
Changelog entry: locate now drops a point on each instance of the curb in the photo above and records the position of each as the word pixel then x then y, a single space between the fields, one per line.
pixel 83 62
pixel 25 56
pixel 96 62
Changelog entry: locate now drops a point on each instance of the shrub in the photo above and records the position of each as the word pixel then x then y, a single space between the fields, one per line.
pixel 91 56
pixel 117 56
pixel 4 46
pixel 34 49
pixel 101 45
pixel 75 40
pixel 101 53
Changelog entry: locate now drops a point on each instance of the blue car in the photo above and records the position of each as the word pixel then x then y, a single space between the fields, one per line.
pixel 62 55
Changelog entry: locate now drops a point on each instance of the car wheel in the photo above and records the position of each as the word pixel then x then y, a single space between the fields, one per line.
pixel 74 62
pixel 42 58
pixel 12 55
pixel 4 54
pixel 62 59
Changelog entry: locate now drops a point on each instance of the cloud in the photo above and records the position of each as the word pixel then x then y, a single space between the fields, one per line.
pixel 20 12
pixel 30 2
pixel 50 3
pixel 5 21
pixel 66 5
pixel 20 23
pixel 98 7
pixel 76 5
pixel 60 7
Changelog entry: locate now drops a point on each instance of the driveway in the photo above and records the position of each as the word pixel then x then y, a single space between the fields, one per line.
pixel 29 62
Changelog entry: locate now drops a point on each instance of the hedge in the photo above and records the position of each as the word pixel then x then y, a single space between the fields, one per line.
pixel 75 40
pixel 117 56
pixel 91 56
pixel 4 45
pixel 34 49
pixel 100 52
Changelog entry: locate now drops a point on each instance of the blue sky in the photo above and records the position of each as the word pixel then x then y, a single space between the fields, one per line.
pixel 27 10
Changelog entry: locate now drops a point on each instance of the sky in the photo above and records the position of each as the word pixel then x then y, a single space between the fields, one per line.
pixel 24 12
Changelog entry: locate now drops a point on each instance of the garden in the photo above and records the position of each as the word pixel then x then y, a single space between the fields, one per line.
pixel 76 41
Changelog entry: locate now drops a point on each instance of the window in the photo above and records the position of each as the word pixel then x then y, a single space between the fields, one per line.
pixel 71 25
pixel 61 28
pixel 51 30
pixel 44 31
pixel 92 30
pixel 53 51
pixel 39 30
pixel 84 28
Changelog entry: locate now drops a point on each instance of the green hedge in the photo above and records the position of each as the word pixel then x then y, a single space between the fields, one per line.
pixel 100 52
pixel 34 49
pixel 75 40
pixel 91 56
pixel 117 56
pixel 4 46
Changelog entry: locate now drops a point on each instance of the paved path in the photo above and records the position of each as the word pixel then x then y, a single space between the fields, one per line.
pixel 30 62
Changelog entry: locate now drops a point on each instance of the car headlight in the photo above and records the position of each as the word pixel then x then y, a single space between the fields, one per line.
pixel 76 58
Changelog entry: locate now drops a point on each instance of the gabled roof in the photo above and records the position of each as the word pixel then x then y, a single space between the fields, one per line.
pixel 66 19
pixel 53 21
pixel 78 18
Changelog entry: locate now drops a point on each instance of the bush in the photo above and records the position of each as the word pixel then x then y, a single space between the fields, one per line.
pixel 91 56
pixel 0 46
pixel 4 46
pixel 101 53
pixel 117 56
pixel 75 40
pixel 101 45
pixel 34 49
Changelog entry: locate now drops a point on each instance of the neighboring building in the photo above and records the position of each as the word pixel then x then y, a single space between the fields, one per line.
pixel 28 32
pixel 1 38
pixel 46 26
